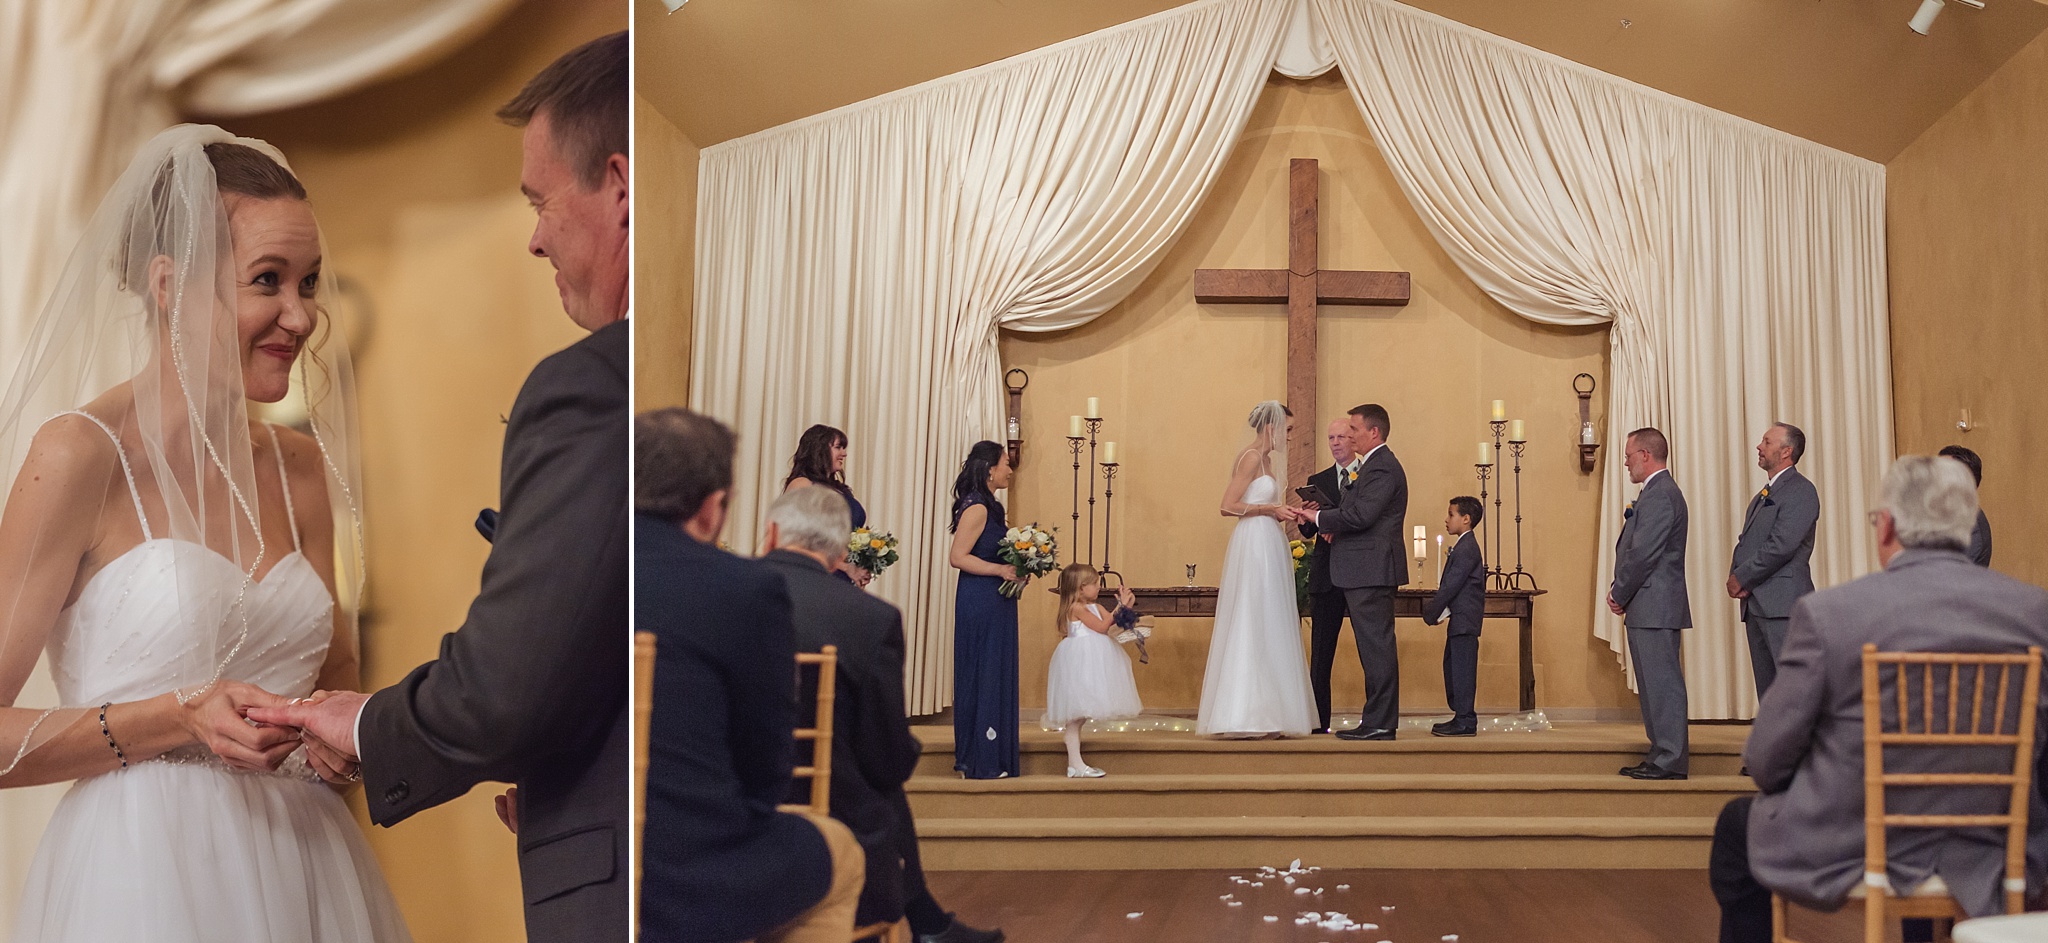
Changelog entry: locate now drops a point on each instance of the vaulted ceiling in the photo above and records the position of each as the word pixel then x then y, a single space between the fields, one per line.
pixel 1845 73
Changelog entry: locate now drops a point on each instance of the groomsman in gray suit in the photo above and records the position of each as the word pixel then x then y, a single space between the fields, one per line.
pixel 1649 594
pixel 1803 836
pixel 1770 569
pixel 1368 562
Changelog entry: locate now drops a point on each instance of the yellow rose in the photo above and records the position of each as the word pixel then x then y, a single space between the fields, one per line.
pixel 876 544
pixel 1023 545
pixel 1297 553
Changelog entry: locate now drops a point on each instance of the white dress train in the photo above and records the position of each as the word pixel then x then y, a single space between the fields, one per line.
pixel 1256 683
pixel 182 849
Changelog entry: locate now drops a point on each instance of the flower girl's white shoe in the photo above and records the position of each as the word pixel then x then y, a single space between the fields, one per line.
pixel 1085 772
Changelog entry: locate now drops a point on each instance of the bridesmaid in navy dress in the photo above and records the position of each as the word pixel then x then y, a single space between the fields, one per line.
pixel 820 459
pixel 984 622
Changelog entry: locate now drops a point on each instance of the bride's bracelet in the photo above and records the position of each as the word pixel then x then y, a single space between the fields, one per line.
pixel 109 734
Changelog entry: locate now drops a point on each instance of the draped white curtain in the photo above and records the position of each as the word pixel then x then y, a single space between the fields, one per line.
pixel 853 268
pixel 1740 272
pixel 83 83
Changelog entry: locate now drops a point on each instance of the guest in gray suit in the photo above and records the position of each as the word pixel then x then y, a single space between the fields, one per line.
pixel 1770 569
pixel 1368 562
pixel 1980 535
pixel 1649 594
pixel 1803 837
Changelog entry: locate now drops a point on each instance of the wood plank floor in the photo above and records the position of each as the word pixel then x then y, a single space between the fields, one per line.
pixel 1531 906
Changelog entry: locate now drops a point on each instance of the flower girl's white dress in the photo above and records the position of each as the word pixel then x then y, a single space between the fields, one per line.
pixel 181 849
pixel 1089 679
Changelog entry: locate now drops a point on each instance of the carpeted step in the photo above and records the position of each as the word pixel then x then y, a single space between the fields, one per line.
pixel 1189 795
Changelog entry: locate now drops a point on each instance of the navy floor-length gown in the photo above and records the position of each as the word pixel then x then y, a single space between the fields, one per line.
pixel 985 661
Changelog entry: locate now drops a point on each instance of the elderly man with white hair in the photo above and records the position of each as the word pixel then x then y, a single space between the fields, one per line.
pixel 873 751
pixel 1803 835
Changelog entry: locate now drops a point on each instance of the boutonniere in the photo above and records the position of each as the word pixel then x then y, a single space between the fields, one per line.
pixel 1351 475
pixel 1629 511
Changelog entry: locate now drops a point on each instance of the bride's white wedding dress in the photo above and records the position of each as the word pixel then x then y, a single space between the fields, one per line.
pixel 182 848
pixel 1257 679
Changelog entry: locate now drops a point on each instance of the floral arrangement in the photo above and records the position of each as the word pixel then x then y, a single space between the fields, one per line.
pixel 871 550
pixel 1129 631
pixel 1300 550
pixel 1031 552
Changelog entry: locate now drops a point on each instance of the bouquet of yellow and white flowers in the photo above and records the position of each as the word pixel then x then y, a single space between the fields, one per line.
pixel 871 550
pixel 1299 550
pixel 1032 552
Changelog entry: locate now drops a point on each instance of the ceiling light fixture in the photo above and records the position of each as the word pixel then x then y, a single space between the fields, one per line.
pixel 1923 19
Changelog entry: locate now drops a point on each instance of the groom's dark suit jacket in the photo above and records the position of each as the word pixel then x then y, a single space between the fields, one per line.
pixel 1365 529
pixel 532 688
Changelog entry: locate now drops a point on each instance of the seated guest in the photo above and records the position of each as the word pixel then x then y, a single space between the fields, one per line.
pixel 1980 535
pixel 720 863
pixel 1803 836
pixel 873 751
pixel 1462 591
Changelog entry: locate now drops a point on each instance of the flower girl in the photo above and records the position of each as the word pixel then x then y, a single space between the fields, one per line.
pixel 1090 677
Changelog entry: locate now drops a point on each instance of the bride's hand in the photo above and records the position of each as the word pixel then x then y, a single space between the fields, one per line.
pixel 218 719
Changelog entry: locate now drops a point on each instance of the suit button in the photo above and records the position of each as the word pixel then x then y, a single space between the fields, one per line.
pixel 397 793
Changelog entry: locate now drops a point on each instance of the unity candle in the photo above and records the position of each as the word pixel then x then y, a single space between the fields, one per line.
pixel 1108 453
pixel 1094 407
pixel 1073 427
pixel 1500 410
pixel 1515 432
pixel 1421 543
pixel 1485 453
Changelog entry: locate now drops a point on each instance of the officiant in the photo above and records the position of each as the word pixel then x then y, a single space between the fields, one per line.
pixel 1325 601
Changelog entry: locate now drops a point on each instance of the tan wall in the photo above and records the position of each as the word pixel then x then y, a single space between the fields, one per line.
pixel 1968 229
pixel 1177 379
pixel 416 188
pixel 664 245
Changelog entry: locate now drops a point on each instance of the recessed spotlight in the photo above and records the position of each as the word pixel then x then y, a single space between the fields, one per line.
pixel 1923 19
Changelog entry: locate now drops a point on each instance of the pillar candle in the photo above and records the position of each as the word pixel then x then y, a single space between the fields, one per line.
pixel 1421 550
pixel 1515 432
pixel 1421 532
pixel 1586 434
pixel 1108 453
pixel 1094 407
pixel 1500 410
pixel 1073 427
pixel 1485 453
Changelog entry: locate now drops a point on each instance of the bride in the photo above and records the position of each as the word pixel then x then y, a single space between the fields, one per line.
pixel 178 561
pixel 1256 684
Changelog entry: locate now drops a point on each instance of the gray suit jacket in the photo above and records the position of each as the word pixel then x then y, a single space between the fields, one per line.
pixel 1773 554
pixel 532 688
pixel 1365 529
pixel 1649 559
pixel 1806 749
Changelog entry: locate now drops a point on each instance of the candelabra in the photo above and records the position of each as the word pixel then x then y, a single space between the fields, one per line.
pixel 1074 448
pixel 1108 492
pixel 1496 572
pixel 1516 579
pixel 1094 426
pixel 1485 472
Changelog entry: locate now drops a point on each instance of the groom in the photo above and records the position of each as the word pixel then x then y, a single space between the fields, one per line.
pixel 1367 563
pixel 532 688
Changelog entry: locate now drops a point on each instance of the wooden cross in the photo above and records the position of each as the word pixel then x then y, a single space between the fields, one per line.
pixel 1301 286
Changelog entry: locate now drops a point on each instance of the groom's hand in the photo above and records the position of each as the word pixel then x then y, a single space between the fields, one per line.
pixel 327 716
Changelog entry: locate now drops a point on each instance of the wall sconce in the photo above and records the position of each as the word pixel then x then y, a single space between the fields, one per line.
pixel 1964 424
pixel 1013 425
pixel 1589 443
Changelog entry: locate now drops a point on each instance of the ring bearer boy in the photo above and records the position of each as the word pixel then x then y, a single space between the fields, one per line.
pixel 1462 591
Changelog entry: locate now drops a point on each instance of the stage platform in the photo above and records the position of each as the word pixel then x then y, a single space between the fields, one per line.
pixel 1543 799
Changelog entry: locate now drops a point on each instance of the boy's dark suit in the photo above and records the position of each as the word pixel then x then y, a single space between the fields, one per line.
pixel 1463 593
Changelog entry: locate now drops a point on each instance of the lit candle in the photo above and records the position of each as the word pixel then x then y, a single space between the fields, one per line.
pixel 1485 453
pixel 1094 407
pixel 1439 559
pixel 1500 410
pixel 1073 427
pixel 1516 432
pixel 1108 453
